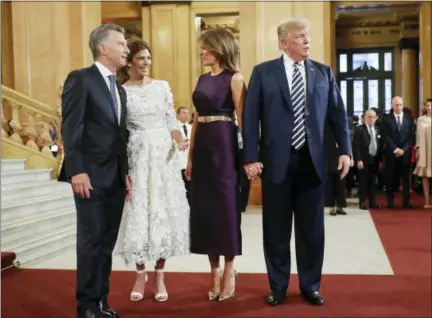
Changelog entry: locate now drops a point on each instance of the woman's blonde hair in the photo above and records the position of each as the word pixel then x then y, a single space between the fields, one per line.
pixel 224 44
pixel 423 110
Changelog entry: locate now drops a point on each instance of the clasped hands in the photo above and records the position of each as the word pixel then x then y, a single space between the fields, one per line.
pixel 183 145
pixel 253 170
pixel 399 152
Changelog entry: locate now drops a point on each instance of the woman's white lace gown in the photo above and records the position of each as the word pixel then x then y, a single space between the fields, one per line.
pixel 155 222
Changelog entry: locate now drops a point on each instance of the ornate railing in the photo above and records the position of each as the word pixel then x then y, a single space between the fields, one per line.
pixel 30 123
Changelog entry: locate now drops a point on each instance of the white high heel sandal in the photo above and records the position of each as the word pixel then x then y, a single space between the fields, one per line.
pixel 160 297
pixel 137 296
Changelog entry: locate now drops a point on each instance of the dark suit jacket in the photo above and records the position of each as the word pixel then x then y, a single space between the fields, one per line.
pixel 268 102
pixel 395 139
pixel 333 152
pixel 94 142
pixel 362 141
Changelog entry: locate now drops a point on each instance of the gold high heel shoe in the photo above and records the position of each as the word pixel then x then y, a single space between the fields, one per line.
pixel 137 296
pixel 160 297
pixel 211 294
pixel 231 294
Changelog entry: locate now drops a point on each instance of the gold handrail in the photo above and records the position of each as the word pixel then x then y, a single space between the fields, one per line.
pixel 33 136
pixel 29 103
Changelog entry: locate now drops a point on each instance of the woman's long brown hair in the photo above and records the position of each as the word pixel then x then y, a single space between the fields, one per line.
pixel 224 44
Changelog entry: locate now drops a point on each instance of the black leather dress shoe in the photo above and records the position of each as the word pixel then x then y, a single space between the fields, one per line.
pixel 313 297
pixel 341 212
pixel 276 299
pixel 89 313
pixel 107 311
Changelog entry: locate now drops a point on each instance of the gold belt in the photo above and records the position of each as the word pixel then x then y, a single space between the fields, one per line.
pixel 209 119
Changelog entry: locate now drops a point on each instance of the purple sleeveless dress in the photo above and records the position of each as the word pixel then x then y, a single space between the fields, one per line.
pixel 215 216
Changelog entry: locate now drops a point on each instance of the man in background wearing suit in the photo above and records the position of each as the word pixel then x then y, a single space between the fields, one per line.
pixel 186 130
pixel 95 138
pixel 399 132
pixel 293 97
pixel 335 188
pixel 367 156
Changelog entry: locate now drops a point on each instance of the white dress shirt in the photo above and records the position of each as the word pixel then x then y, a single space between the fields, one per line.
pixel 105 74
pixel 183 155
pixel 289 70
pixel 400 117
pixel 371 132
pixel 397 123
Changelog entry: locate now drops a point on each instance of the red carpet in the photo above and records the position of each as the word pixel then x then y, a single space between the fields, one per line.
pixel 7 259
pixel 406 236
pixel 417 201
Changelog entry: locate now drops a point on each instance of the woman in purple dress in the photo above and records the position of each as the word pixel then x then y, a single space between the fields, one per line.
pixel 212 165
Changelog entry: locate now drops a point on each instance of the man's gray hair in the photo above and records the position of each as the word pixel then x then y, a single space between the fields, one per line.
pixel 370 110
pixel 287 26
pixel 98 35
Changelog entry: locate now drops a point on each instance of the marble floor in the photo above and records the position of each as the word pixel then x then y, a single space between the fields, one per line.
pixel 353 246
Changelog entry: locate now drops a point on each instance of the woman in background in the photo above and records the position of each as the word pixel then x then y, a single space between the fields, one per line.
pixel 423 150
pixel 212 165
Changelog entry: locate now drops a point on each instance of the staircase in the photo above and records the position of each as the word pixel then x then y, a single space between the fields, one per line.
pixel 38 218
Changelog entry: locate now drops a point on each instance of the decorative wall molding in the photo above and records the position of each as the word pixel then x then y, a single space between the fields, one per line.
pixel 149 3
pixel 410 29
pixel 230 22
pixel 367 35
pixel 377 35
pixel 375 6
pixel 233 27
pixel 375 14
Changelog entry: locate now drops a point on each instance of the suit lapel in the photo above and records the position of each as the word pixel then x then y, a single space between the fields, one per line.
pixel 100 81
pixel 282 80
pixel 310 84
pixel 281 77
pixel 377 138
pixel 393 122
pixel 366 131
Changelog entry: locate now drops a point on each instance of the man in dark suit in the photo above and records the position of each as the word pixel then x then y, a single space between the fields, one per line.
pixel 293 97
pixel 95 137
pixel 367 156
pixel 335 188
pixel 399 132
pixel 186 131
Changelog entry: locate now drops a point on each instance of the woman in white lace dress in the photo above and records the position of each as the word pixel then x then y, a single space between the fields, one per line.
pixel 155 223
